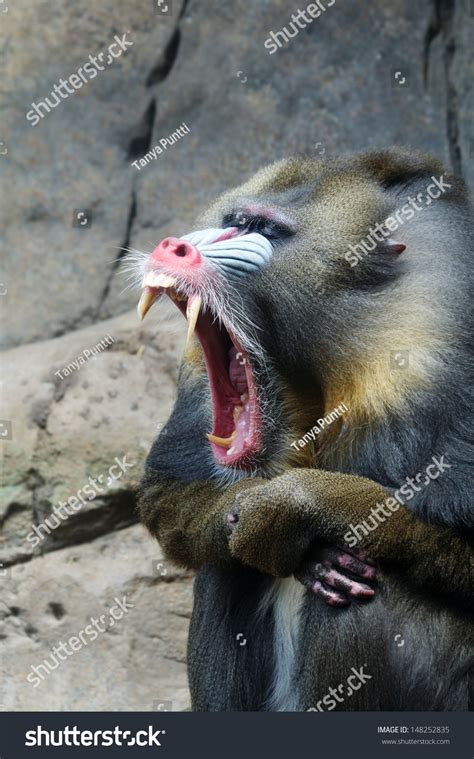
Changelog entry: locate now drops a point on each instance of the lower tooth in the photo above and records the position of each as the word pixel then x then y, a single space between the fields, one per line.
pixel 237 412
pixel 224 442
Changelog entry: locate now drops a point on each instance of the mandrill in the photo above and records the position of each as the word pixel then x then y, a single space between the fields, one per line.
pixel 317 286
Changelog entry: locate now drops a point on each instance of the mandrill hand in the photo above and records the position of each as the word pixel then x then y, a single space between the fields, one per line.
pixel 330 575
pixel 274 525
pixel 268 530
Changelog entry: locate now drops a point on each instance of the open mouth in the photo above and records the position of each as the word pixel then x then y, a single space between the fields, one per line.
pixel 236 435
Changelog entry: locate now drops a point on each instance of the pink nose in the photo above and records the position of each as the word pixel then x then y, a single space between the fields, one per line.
pixel 176 254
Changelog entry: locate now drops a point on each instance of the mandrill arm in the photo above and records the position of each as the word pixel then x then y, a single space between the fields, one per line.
pixel 275 525
pixel 190 520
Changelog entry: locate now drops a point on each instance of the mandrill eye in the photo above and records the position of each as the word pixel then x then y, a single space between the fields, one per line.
pixel 236 219
pixel 241 219
pixel 266 227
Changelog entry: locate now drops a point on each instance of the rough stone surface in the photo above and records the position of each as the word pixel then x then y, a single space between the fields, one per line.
pixel 332 89
pixel 67 430
pixel 136 664
pixel 78 155
pixel 460 65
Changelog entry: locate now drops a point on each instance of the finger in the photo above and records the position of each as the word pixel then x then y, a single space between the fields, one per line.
pixel 232 519
pixel 329 595
pixel 233 516
pixel 308 576
pixel 360 553
pixel 308 573
pixel 358 567
pixel 335 579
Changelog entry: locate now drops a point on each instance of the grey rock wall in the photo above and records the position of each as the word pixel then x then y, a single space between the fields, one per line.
pixel 332 89
pixel 77 439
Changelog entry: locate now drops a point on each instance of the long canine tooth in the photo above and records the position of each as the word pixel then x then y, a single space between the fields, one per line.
pixel 146 301
pixel 153 279
pixel 192 312
pixel 224 442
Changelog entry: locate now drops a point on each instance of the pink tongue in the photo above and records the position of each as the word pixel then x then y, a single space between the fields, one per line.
pixel 237 371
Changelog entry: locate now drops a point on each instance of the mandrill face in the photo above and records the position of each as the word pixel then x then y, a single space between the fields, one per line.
pixel 289 326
